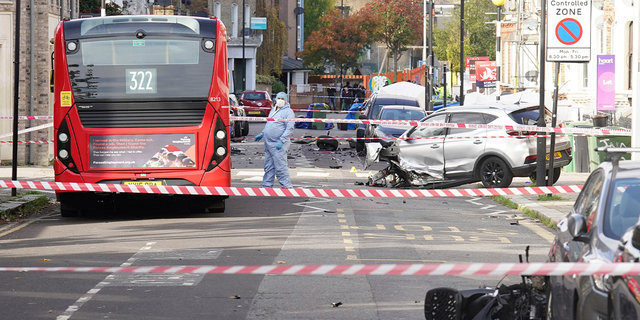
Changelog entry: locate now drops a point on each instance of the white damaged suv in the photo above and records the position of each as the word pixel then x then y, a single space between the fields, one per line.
pixel 443 157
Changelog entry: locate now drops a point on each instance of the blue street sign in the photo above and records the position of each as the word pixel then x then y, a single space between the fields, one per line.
pixel 259 23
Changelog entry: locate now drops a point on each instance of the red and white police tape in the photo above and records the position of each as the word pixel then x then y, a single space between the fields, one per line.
pixel 413 123
pixel 274 192
pixel 426 269
pixel 28 118
pixel 29 141
pixel 43 126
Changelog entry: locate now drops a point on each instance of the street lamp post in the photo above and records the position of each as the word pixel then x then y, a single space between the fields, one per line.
pixel 462 64
pixel 499 4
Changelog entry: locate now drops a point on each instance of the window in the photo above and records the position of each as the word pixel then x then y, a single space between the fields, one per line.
pixel 234 20
pixel 217 8
pixel 424 132
pixel 467 118
pixel 589 198
pixel 623 207
pixel 247 16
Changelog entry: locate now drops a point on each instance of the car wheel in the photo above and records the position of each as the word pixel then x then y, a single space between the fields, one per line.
pixel 360 141
pixel 326 144
pixel 556 175
pixel 237 129
pixel 245 128
pixel 494 173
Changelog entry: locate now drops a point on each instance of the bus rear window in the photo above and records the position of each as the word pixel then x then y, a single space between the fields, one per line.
pixel 140 52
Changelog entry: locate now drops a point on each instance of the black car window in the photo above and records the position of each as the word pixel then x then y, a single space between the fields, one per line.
pixel 589 197
pixel 466 118
pixel 529 116
pixel 488 118
pixel 401 114
pixel 423 132
pixel 381 102
pixel 254 96
pixel 623 207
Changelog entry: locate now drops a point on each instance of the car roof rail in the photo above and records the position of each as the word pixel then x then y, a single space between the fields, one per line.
pixel 613 154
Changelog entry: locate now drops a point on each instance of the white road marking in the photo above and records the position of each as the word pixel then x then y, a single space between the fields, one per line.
pixel 313 174
pixel 250 173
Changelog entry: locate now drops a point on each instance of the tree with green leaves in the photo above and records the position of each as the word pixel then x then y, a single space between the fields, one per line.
pixel 94 6
pixel 401 25
pixel 479 39
pixel 274 44
pixel 342 40
pixel 313 12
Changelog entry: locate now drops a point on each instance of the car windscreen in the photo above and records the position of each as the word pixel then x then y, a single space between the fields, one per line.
pixel 529 116
pixel 622 207
pixel 385 101
pixel 130 69
pixel 400 114
pixel 254 96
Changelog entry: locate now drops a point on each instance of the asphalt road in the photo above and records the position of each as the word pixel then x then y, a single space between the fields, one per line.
pixel 261 231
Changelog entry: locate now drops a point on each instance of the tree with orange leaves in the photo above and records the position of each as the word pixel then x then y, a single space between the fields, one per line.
pixel 342 40
pixel 401 25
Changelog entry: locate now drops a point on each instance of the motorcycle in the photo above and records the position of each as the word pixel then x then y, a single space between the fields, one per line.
pixel 524 300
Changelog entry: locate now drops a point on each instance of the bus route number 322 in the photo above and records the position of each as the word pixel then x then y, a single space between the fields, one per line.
pixel 141 80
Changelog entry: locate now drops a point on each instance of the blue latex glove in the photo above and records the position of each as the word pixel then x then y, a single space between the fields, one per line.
pixel 258 138
pixel 279 145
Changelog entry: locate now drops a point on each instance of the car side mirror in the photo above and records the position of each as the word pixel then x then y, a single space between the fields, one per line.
pixel 362 117
pixel 577 226
pixel 635 238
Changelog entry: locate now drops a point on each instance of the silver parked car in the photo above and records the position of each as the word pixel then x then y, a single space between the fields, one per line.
pixel 443 157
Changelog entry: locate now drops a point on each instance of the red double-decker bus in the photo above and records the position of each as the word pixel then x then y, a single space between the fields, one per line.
pixel 141 100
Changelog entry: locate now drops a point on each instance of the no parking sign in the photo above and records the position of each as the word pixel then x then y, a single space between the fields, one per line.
pixel 569 31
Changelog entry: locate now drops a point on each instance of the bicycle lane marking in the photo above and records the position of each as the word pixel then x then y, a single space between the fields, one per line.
pixel 91 293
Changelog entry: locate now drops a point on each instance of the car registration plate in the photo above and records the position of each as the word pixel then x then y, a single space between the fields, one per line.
pixel 253 112
pixel 144 183
pixel 556 155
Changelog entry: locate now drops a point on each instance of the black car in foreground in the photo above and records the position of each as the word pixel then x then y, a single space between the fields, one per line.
pixel 607 206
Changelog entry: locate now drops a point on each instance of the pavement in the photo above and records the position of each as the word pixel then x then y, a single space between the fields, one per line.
pixel 554 210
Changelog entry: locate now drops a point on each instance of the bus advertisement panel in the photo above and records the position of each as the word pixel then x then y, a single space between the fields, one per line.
pixel 141 100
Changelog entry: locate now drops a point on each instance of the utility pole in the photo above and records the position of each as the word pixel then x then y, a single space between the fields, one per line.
pixel 16 88
pixel 462 64
pixel 244 62
pixel 541 155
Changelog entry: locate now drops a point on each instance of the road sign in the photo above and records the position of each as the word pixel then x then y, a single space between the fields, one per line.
pixel 258 23
pixel 569 31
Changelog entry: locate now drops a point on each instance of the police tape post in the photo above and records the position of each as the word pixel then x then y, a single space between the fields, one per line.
pixel 275 192
pixel 415 123
pixel 425 269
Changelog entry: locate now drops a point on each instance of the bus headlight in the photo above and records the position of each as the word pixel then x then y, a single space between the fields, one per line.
pixel 63 154
pixel 221 151
pixel 63 137
pixel 221 134
pixel 208 44
pixel 72 46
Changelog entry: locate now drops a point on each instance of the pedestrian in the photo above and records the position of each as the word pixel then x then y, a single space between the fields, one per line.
pixel 346 94
pixel 360 93
pixel 276 143
pixel 331 92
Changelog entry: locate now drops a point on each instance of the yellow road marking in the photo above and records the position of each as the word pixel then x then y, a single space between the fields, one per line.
pixel 456 238
pixel 342 220
pixel 347 241
pixel 349 249
pixel 542 232
pixel 342 226
pixel 346 234
pixel 376 209
pixel 340 215
pixel 339 210
pixel 454 229
pixel 24 224
pixel 354 257
pixel 416 228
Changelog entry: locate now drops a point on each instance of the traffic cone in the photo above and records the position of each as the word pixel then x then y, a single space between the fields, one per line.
pixel 353 169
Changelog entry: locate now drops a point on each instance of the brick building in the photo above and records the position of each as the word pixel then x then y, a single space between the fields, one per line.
pixel 38 20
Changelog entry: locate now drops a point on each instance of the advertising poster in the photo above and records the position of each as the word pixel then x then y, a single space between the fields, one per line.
pixel 470 62
pixel 486 74
pixel 606 94
pixel 142 151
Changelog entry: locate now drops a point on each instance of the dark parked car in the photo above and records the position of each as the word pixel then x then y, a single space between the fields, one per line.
pixel 607 206
pixel 374 131
pixel 238 128
pixel 256 103
pixel 372 109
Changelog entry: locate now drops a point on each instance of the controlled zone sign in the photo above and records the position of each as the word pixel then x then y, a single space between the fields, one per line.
pixel 569 31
